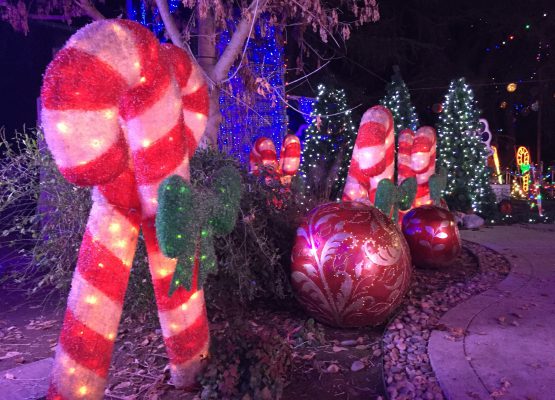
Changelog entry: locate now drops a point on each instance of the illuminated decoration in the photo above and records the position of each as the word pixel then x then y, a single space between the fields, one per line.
pixel 263 153
pixel 244 121
pixel 112 71
pixel 432 235
pixel 187 220
pixel 423 162
pixel 140 11
pixel 373 155
pixel 397 100
pixel 503 105
pixel 463 155
pixel 390 198
pixel 511 87
pixel 523 164
pixel 437 108
pixel 516 190
pixel 330 135
pixel 350 265
pixel 497 165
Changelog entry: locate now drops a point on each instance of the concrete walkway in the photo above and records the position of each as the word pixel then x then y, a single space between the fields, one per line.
pixel 508 351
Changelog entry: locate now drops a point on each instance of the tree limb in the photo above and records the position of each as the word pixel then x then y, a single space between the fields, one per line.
pixel 90 10
pixel 170 25
pixel 237 40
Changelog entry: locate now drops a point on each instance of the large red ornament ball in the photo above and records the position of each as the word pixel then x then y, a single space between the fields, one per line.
pixel 350 265
pixel 432 235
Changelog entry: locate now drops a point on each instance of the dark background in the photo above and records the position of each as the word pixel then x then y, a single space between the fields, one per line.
pixel 431 41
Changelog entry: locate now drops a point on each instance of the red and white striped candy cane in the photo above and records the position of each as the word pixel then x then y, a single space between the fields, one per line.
pixel 423 162
pixel 290 156
pixel 263 153
pixel 404 167
pixel 373 156
pixel 112 70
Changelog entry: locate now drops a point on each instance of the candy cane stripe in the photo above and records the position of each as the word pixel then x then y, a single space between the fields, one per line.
pixel 423 156
pixel 112 73
pixel 85 346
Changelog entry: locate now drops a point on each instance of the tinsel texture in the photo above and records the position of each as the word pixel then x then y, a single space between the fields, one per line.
pixel 112 71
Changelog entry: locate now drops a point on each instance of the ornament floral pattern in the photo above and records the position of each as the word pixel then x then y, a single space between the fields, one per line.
pixel 350 265
pixel 432 235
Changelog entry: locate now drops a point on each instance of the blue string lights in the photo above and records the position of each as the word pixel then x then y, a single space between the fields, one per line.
pixel 246 118
pixel 148 17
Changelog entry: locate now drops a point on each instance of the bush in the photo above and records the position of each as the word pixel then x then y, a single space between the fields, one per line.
pixel 247 362
pixel 43 217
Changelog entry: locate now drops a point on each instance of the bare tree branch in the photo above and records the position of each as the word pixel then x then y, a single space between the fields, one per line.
pixel 170 25
pixel 90 9
pixel 237 40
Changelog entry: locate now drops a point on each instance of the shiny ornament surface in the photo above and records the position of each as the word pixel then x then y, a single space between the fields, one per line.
pixel 432 235
pixel 350 264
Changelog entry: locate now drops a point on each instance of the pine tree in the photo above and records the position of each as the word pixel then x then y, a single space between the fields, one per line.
pixel 397 99
pixel 328 144
pixel 462 152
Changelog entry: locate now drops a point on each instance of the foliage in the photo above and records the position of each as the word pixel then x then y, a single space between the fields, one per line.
pixel 43 218
pixel 188 218
pixel 253 260
pixel 462 153
pixel 328 145
pixel 391 198
pixel 397 100
pixel 248 361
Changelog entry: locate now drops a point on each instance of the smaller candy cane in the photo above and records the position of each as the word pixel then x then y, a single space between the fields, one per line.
pixel 404 168
pixel 263 153
pixel 373 156
pixel 290 157
pixel 423 162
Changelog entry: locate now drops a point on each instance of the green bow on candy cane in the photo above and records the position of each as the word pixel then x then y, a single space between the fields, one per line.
pixel 389 196
pixel 188 218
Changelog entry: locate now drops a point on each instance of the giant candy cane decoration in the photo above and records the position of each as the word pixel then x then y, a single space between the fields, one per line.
pixel 373 156
pixel 263 153
pixel 121 113
pixel 423 162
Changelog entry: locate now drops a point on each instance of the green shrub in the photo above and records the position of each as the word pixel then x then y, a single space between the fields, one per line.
pixel 249 361
pixel 43 217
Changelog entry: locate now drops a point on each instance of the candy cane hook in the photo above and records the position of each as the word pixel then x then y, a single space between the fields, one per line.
pixel 111 72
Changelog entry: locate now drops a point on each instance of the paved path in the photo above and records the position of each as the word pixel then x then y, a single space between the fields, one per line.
pixel 509 348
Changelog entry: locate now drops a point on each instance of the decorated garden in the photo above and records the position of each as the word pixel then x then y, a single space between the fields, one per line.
pixel 191 218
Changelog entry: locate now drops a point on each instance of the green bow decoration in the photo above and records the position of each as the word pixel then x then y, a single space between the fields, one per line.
pixel 389 196
pixel 188 218
pixel 437 184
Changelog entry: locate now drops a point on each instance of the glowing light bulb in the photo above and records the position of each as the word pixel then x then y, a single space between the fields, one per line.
pixel 91 299
pixel 95 143
pixel 184 306
pixel 137 64
pixel 114 227
pixel 111 336
pixel 145 143
pixel 100 265
pixel 164 272
pixel 71 371
pixel 194 295
pixel 109 114
pixel 62 127
pixel 143 79
pixel 83 390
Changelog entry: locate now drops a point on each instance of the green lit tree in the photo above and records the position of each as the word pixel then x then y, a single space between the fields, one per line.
pixel 397 99
pixel 328 145
pixel 462 152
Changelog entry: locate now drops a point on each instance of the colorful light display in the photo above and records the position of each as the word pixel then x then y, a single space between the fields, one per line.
pixel 523 164
pixel 244 121
pixel 497 165
pixel 423 162
pixel 350 265
pixel 112 71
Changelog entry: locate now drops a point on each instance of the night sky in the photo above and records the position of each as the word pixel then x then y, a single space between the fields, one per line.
pixel 431 41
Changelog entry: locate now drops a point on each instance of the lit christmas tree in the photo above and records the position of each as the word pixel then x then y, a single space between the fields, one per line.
pixel 462 152
pixel 328 144
pixel 397 99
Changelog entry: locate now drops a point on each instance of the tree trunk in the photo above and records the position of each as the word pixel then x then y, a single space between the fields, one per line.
pixel 207 57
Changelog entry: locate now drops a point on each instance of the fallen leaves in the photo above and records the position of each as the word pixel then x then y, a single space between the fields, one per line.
pixel 357 366
pixel 10 354
pixel 40 325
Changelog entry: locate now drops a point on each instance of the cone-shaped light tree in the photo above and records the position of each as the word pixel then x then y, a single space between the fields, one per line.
pixel 462 152
pixel 397 99
pixel 328 144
